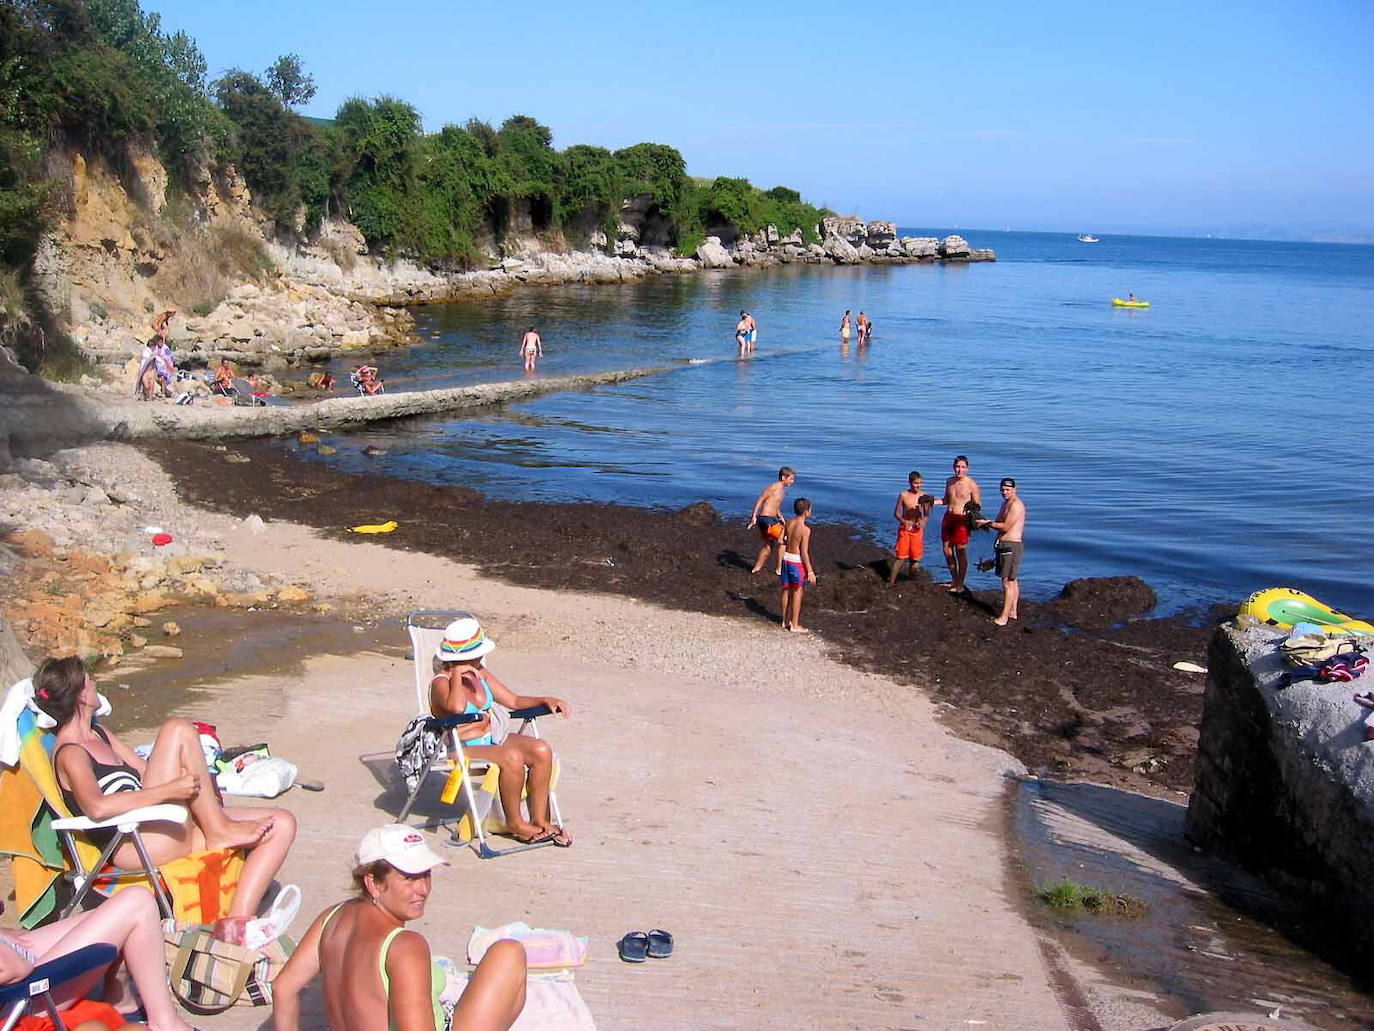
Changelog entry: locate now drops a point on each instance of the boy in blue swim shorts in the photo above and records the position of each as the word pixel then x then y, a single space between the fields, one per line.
pixel 794 566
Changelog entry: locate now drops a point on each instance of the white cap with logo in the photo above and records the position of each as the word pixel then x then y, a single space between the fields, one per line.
pixel 401 846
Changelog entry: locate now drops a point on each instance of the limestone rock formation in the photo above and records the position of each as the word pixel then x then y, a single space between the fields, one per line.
pixel 1285 784
pixel 926 247
pixel 954 247
pixel 841 250
pixel 712 255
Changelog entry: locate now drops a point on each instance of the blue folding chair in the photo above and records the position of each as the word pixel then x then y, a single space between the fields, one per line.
pixel 34 993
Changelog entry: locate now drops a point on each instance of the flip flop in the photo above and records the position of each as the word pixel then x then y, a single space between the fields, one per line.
pixel 634 947
pixel 1365 701
pixel 537 839
pixel 559 839
pixel 660 944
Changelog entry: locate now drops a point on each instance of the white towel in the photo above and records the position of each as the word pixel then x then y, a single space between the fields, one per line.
pixel 17 699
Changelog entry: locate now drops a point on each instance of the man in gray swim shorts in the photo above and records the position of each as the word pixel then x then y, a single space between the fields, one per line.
pixel 1009 524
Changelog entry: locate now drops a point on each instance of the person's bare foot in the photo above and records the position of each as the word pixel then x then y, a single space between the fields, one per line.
pixel 755 570
pixel 239 834
pixel 1000 621
pixel 798 629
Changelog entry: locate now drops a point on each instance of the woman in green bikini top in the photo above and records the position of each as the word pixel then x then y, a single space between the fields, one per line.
pixel 378 974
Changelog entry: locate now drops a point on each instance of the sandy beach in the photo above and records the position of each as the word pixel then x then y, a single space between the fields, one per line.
pixel 826 853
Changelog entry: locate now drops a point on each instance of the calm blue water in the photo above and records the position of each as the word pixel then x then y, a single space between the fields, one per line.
pixel 1214 444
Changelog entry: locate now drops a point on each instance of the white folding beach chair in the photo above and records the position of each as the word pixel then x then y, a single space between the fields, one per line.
pixel 426 630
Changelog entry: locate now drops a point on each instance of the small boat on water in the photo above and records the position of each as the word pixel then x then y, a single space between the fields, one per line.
pixel 1129 304
pixel 1087 238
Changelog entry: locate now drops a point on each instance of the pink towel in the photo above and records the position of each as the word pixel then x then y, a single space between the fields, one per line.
pixel 544 949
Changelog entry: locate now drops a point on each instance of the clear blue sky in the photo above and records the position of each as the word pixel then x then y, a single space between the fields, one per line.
pixel 1222 116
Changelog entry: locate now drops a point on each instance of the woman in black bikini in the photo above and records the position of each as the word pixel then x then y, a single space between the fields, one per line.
pixel 101 777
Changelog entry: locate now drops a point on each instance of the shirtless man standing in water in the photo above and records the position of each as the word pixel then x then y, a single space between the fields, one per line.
pixel 960 489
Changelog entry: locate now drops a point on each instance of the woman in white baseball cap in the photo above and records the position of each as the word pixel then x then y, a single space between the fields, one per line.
pixel 377 974
pixel 465 685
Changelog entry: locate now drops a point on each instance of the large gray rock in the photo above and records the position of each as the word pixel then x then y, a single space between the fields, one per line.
pixel 794 239
pixel 1285 783
pixel 849 228
pixel 881 235
pixel 712 255
pixel 840 250
pixel 920 246
pixel 954 246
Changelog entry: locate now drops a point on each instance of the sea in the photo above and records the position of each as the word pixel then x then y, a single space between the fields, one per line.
pixel 1213 444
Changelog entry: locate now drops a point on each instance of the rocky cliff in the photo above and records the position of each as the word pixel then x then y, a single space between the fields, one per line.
pixel 1285 782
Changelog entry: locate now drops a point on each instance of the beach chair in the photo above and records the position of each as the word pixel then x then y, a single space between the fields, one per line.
pixel 55 865
pixel 481 807
pixel 34 993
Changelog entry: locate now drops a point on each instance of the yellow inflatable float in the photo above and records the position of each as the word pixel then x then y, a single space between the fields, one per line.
pixel 385 527
pixel 1284 606
pixel 1120 303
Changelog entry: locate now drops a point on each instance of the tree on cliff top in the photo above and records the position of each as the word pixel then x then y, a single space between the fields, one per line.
pixel 589 189
pixel 380 140
pixel 284 159
pixel 657 170
pixel 288 80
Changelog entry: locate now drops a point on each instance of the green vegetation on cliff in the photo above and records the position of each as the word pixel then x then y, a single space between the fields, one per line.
pixel 101 77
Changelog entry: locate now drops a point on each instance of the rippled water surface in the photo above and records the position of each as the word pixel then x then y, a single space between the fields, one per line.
pixel 1214 444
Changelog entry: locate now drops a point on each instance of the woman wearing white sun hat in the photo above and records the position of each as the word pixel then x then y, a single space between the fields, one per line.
pixel 465 685
pixel 377 974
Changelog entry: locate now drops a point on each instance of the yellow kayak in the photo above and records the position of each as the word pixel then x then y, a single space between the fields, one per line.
pixel 1129 304
pixel 1284 606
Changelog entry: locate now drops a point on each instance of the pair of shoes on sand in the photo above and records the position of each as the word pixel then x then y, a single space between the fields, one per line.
pixel 637 946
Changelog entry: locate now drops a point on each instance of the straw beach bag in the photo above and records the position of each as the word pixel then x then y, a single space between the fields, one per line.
pixel 208 975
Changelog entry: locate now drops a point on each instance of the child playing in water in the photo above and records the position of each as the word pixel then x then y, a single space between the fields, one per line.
pixel 794 567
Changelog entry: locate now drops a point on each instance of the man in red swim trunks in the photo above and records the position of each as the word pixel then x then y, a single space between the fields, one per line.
pixel 960 489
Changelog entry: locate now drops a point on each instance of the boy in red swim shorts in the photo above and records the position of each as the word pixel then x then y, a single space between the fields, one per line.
pixel 911 512
pixel 960 489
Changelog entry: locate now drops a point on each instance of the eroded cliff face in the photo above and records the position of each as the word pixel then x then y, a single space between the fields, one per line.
pixel 1285 783
pixel 131 244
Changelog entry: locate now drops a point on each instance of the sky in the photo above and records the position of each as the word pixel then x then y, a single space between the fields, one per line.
pixel 1232 118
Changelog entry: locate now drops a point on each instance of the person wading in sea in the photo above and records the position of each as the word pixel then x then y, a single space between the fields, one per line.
pixel 531 348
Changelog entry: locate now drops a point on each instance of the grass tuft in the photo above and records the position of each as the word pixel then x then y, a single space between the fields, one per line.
pixel 1066 894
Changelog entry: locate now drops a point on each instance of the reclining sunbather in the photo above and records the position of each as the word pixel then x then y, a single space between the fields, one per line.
pixel 129 921
pixel 101 777
pixel 378 974
pixel 464 685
